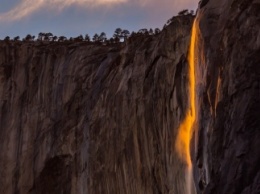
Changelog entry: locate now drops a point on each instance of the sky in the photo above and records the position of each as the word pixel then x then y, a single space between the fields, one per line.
pixel 71 18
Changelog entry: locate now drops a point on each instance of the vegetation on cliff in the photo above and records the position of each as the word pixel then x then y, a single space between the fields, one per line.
pixel 120 35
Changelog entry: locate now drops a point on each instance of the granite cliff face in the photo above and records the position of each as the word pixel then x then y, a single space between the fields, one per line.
pixel 228 97
pixel 78 118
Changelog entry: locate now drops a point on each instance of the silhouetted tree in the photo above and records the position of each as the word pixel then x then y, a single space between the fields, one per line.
pixel 143 31
pixel 102 37
pixel 157 31
pixel 87 38
pixel 48 36
pixel 41 36
pixel 54 38
pixel 95 38
pixel 133 34
pixel 183 12
pixel 125 34
pixel 17 38
pixel 79 38
pixel 28 37
pixel 7 38
pixel 151 31
pixel 111 40
pixel 62 38
pixel 118 33
pixel 192 12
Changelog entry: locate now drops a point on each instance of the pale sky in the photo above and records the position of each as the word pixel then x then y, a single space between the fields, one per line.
pixel 74 17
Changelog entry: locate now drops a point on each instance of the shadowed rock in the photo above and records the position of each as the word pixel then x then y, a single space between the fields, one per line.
pixel 79 118
pixel 228 155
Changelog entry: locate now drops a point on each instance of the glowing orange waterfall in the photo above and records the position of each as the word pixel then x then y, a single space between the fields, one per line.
pixel 186 127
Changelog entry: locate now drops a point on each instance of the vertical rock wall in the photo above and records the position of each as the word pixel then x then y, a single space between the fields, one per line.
pixel 89 119
pixel 228 89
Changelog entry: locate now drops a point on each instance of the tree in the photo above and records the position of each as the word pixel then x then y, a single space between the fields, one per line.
pixel 79 38
pixel 151 31
pixel 125 34
pixel 102 37
pixel 7 38
pixel 112 40
pixel 62 38
pixel 133 34
pixel 117 33
pixel 87 38
pixel 41 36
pixel 17 38
pixel 48 36
pixel 143 31
pixel 28 37
pixel 95 38
pixel 54 38
pixel 183 12
pixel 157 31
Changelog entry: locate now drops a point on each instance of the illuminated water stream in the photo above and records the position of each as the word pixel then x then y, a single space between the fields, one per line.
pixel 186 127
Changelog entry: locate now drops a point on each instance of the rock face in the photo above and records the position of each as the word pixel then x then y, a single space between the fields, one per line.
pixel 89 119
pixel 93 119
pixel 228 88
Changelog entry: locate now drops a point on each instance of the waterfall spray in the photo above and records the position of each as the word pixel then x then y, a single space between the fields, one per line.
pixel 186 127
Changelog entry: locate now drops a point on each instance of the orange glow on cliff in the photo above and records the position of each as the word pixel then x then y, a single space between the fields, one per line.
pixel 186 127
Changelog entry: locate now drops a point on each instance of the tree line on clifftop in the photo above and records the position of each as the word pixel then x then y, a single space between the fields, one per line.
pixel 120 35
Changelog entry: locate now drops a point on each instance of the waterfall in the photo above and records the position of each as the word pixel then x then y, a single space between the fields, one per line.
pixel 185 130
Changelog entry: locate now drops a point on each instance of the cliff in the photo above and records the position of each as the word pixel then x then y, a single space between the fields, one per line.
pixel 79 118
pixel 228 97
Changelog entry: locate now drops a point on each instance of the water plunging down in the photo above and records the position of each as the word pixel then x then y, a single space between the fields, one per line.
pixel 186 127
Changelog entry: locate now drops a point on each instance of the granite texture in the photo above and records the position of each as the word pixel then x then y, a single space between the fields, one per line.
pixel 228 90
pixel 78 118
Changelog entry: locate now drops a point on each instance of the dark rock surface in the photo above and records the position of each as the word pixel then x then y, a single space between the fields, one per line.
pixel 92 119
pixel 228 88
pixel 88 119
